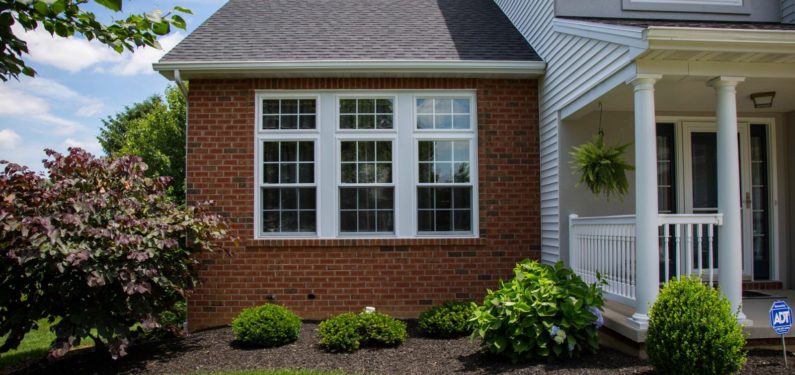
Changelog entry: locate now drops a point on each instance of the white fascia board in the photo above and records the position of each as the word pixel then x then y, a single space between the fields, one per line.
pixel 721 39
pixel 524 69
pixel 626 35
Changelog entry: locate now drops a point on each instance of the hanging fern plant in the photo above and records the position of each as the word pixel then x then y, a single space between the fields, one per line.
pixel 602 168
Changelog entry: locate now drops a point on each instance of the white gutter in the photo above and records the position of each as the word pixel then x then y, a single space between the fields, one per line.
pixel 182 88
pixel 188 69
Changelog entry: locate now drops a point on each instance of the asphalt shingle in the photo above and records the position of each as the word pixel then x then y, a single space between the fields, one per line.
pixel 288 30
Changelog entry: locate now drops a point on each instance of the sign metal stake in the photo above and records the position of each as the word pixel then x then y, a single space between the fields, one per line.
pixel 781 322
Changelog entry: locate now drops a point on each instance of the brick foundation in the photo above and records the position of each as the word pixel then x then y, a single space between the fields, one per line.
pixel 317 278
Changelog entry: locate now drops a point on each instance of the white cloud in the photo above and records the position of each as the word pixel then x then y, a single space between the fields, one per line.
pixel 43 87
pixel 9 139
pixel 141 61
pixel 75 54
pixel 91 146
pixel 70 54
pixel 18 100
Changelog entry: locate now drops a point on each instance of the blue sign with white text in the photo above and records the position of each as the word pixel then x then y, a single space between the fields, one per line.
pixel 781 317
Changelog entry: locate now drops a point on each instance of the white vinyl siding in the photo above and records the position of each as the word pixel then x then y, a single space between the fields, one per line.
pixel 574 66
pixel 788 11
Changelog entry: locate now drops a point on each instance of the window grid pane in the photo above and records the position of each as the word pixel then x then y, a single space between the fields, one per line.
pixel 366 162
pixel 444 162
pixel 289 210
pixel 289 114
pixel 364 113
pixel 366 209
pixel 288 162
pixel 443 113
pixel 444 209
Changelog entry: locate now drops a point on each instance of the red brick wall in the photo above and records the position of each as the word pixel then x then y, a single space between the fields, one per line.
pixel 399 277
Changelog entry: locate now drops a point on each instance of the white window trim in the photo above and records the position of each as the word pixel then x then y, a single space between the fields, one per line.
pixel 405 152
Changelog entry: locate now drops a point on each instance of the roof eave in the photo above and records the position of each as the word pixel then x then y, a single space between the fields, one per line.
pixel 353 68
pixel 719 39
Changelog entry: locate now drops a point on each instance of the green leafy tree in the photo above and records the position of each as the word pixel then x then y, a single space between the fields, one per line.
pixel 66 18
pixel 114 129
pixel 96 248
pixel 154 130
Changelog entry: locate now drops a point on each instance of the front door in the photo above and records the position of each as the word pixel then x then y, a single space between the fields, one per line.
pixel 700 189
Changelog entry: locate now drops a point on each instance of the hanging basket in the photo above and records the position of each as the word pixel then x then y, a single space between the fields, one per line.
pixel 602 169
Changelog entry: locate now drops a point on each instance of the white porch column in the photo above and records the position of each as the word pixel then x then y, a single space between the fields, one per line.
pixel 647 272
pixel 730 256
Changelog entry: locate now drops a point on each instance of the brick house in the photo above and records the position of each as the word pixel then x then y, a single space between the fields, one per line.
pixel 366 153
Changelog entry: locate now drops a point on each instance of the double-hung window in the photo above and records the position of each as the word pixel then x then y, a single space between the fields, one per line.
pixel 287 186
pixel 366 164
pixel 366 190
pixel 444 163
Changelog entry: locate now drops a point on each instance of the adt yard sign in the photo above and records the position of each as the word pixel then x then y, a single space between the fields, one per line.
pixel 781 317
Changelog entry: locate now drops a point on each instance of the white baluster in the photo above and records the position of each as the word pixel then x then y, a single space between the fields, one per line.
pixel 710 233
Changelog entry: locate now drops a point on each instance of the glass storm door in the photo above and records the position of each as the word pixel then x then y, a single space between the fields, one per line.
pixel 757 200
pixel 700 175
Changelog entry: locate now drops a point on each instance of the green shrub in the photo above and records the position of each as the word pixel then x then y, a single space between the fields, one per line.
pixel 267 326
pixel 378 329
pixel 693 330
pixel 340 333
pixel 543 312
pixel 450 319
pixel 348 332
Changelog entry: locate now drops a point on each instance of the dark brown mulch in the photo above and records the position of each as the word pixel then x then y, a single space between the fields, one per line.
pixel 215 350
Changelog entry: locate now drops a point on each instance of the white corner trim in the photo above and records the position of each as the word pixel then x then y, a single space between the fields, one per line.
pixel 485 67
pixel 627 35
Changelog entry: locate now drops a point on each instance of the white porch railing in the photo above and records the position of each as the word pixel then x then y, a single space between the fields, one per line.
pixel 606 245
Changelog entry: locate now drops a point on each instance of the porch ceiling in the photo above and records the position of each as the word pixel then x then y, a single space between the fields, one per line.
pixel 676 94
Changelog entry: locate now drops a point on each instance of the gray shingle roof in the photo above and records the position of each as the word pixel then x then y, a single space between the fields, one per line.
pixel 285 30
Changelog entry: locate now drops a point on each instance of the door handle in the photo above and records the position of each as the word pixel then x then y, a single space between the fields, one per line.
pixel 748 200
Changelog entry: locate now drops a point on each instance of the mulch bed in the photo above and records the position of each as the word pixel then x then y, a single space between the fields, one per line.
pixel 215 350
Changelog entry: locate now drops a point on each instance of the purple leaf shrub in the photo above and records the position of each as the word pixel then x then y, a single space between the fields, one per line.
pixel 94 244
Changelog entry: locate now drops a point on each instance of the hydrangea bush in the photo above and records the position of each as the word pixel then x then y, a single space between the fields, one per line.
pixel 96 247
pixel 543 312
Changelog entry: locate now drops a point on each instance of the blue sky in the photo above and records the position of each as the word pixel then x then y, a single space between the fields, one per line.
pixel 78 84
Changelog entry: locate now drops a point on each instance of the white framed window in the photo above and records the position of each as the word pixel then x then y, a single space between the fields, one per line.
pixel 367 192
pixel 444 186
pixel 344 164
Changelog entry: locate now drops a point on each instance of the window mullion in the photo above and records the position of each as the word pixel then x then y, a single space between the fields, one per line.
pixel 327 162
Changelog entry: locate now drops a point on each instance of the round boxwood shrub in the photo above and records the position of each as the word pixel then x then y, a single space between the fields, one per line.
pixel 340 333
pixel 448 320
pixel 348 332
pixel 543 312
pixel 266 326
pixel 692 330
pixel 379 329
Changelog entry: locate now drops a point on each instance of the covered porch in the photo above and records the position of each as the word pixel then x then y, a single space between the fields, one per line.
pixel 710 194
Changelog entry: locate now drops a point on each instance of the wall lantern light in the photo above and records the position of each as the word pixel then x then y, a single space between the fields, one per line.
pixel 763 99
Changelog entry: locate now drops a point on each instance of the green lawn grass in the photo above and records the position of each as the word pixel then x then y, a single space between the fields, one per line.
pixel 276 372
pixel 35 345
